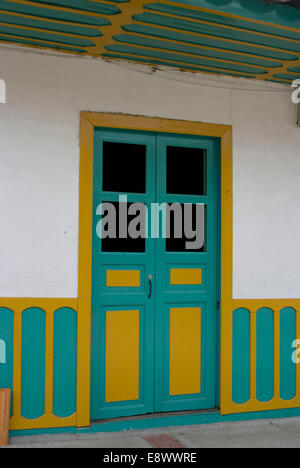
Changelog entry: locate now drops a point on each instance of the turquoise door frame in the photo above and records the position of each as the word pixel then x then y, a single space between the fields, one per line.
pixel 154 312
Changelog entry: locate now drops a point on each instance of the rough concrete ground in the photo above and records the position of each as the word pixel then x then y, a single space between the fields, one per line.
pixel 275 433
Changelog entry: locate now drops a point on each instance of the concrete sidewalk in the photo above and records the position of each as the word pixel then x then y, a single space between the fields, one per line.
pixel 275 433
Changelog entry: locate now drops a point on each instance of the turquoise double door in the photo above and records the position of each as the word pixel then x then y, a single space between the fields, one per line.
pixel 155 273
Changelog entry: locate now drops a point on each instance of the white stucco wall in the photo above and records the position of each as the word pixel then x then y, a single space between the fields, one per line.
pixel 39 166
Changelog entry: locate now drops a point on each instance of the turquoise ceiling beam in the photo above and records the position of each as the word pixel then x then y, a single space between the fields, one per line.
pixel 46 36
pixel 61 48
pixel 223 20
pixel 174 65
pixel 84 5
pixel 48 13
pixel 174 47
pixel 129 50
pixel 253 9
pixel 209 42
pixel 49 25
pixel 200 28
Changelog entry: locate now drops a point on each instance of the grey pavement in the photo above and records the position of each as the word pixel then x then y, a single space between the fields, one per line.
pixel 271 433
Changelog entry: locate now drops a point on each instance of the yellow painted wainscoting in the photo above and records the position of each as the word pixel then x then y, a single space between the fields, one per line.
pixel 275 307
pixel 19 306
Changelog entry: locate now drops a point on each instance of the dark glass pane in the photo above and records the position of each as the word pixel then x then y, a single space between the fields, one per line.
pixel 118 228
pixel 124 168
pixel 186 171
pixel 186 230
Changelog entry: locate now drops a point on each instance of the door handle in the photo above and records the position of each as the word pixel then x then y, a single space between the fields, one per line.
pixel 150 278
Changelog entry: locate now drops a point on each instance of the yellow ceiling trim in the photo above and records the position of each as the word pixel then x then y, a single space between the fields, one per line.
pixel 129 9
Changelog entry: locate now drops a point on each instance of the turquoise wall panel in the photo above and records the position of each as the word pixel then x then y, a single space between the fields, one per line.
pixel 264 355
pixel 241 356
pixel 64 362
pixel 6 347
pixel 33 363
pixel 287 367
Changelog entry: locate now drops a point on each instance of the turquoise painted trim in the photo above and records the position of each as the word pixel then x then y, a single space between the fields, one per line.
pixel 223 20
pixel 163 421
pixel 119 48
pixel 286 76
pixel 33 363
pixel 174 47
pixel 48 13
pixel 65 362
pixel 278 81
pixel 6 347
pixel 209 42
pixel 264 355
pixel 254 9
pixel 294 69
pixel 287 367
pixel 241 356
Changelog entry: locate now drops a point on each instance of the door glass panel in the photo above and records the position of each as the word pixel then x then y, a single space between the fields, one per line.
pixel 124 167
pixel 186 171
pixel 186 229
pixel 123 227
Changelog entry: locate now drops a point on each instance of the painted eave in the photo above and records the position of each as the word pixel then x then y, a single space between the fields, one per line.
pixel 239 38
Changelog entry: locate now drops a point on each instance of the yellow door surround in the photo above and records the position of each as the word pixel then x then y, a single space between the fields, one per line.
pixel 89 121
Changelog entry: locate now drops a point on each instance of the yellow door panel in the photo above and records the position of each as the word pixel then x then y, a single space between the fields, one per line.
pixel 122 355
pixel 185 350
pixel 188 276
pixel 123 278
